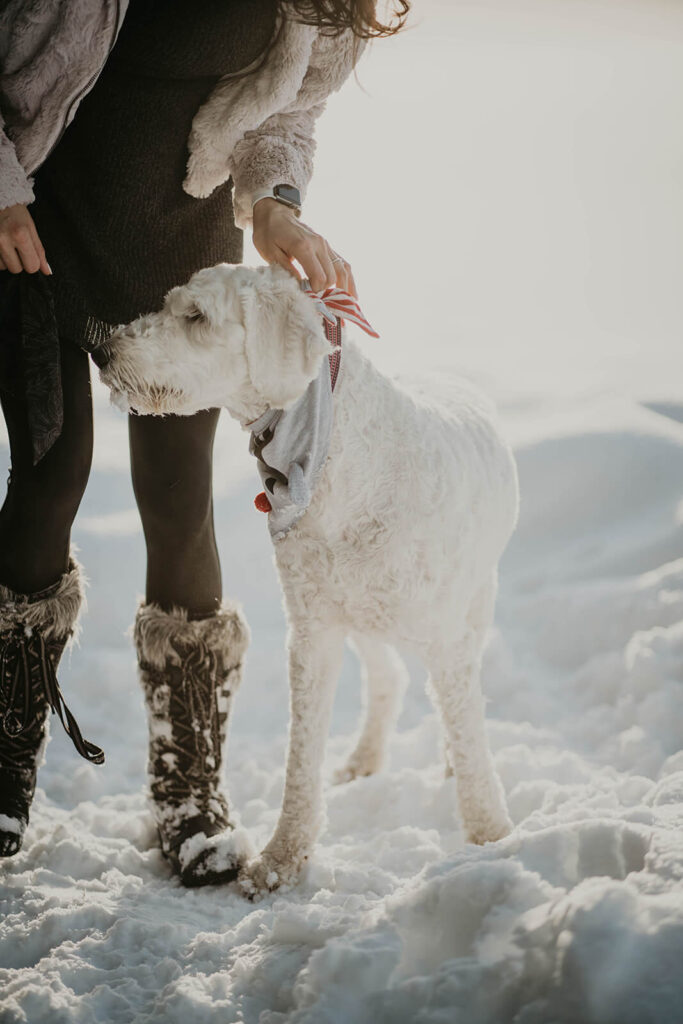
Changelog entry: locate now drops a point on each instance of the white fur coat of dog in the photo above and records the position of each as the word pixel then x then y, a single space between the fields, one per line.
pixel 399 546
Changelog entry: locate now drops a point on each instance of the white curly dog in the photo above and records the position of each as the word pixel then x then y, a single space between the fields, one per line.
pixel 399 546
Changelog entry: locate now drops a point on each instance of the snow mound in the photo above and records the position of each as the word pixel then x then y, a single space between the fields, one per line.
pixel 575 917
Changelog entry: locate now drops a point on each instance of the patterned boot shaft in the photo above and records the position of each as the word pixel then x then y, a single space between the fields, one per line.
pixel 24 708
pixel 34 630
pixel 190 671
pixel 188 705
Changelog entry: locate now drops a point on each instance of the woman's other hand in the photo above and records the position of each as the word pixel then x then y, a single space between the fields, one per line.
pixel 20 247
pixel 280 237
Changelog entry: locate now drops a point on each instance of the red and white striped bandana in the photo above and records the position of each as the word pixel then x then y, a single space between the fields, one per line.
pixel 336 300
pixel 330 304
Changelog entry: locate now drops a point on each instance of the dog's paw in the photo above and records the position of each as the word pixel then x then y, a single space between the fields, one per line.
pixel 264 875
pixel 488 830
pixel 357 768
pixel 342 775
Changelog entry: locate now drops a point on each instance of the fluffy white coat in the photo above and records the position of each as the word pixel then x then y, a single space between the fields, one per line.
pixel 399 546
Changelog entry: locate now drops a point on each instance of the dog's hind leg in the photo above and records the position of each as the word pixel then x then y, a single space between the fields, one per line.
pixel 385 679
pixel 454 684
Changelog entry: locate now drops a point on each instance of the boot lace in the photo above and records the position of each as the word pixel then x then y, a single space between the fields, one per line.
pixel 25 661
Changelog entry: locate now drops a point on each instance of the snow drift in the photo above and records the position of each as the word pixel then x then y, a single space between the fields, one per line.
pixel 577 916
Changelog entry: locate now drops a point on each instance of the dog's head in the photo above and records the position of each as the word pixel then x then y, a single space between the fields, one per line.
pixel 245 338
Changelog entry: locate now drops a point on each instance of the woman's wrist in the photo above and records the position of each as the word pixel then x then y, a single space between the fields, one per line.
pixel 270 203
pixel 269 211
pixel 265 202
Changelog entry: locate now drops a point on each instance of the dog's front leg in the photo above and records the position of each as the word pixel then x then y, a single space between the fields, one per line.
pixel 315 657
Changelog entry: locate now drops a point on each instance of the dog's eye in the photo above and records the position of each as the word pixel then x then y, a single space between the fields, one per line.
pixel 194 315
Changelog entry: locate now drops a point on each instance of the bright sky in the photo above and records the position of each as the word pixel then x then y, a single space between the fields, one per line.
pixel 508 187
pixel 509 191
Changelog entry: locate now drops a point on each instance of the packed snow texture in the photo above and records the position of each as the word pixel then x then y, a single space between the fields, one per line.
pixel 576 917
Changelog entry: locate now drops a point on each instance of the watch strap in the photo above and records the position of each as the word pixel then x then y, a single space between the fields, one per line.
pixel 272 193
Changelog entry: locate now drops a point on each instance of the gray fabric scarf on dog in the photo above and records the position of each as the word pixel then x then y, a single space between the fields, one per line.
pixel 291 445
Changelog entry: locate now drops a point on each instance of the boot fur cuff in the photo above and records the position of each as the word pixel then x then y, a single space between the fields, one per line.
pixel 52 611
pixel 226 632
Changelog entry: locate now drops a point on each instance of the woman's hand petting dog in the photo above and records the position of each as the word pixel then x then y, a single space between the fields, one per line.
pixel 280 237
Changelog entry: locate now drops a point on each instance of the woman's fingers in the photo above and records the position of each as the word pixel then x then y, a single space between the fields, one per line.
pixel 310 250
pixel 352 289
pixel 328 269
pixel 281 238
pixel 24 245
pixel 40 251
pixel 9 255
pixel 343 275
pixel 20 246
pixel 281 258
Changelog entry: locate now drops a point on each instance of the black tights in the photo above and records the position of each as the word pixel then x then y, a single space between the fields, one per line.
pixel 171 459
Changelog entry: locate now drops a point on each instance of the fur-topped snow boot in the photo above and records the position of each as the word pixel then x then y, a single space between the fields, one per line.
pixel 34 630
pixel 190 670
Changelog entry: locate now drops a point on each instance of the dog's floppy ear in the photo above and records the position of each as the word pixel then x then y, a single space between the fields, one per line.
pixel 285 339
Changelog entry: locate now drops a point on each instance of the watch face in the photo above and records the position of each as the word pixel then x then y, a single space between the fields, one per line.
pixel 288 193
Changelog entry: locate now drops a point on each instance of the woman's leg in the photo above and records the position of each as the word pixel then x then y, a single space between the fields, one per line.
pixel 42 500
pixel 190 647
pixel 41 590
pixel 171 460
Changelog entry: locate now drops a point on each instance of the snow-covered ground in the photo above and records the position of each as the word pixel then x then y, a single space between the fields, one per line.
pixel 538 248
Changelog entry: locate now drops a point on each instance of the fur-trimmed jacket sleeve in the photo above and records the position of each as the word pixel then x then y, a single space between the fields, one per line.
pixel 259 129
pixel 280 150
pixel 51 54
pixel 231 136
pixel 15 184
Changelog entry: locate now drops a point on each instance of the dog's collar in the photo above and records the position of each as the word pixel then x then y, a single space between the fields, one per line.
pixel 263 421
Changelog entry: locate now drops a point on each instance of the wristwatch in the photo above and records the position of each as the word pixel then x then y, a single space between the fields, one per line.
pixel 288 195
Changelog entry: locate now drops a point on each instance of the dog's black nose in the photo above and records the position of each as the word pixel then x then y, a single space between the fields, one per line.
pixel 101 355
